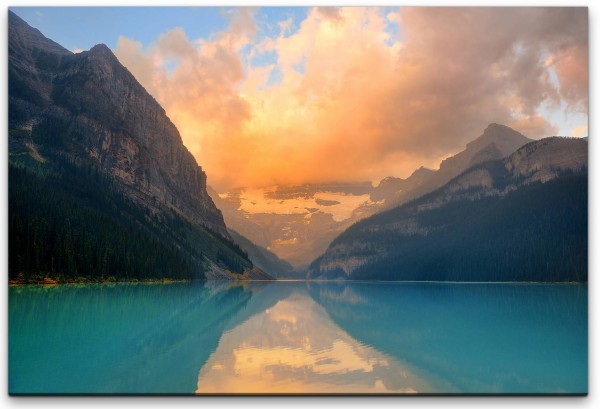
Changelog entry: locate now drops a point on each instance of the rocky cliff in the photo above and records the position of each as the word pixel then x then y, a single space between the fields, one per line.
pixel 101 186
pixel 89 107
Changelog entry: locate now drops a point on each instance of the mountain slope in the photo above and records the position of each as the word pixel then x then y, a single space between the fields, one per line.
pixel 90 107
pixel 496 142
pixel 263 258
pixel 523 218
pixel 391 186
pixel 298 223
pixel 82 120
pixel 33 60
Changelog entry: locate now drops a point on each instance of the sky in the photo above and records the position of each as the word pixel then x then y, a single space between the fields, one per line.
pixel 290 95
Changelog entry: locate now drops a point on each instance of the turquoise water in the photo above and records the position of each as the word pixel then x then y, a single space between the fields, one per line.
pixel 298 337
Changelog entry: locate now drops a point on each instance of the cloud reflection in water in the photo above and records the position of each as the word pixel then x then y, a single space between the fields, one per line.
pixel 294 347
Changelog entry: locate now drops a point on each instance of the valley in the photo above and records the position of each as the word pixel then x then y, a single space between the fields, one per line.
pixel 81 123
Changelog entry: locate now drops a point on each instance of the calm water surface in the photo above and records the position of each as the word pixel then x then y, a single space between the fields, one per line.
pixel 298 337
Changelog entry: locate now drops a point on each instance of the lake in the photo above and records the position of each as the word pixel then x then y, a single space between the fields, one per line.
pixel 298 337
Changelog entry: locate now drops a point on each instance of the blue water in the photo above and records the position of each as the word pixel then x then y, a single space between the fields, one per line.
pixel 298 337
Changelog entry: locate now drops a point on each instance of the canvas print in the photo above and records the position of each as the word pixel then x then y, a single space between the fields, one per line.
pixel 297 200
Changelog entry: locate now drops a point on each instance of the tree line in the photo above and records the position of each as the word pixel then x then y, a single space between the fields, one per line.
pixel 536 233
pixel 69 222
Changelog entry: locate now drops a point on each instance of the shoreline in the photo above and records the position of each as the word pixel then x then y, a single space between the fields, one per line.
pixel 47 282
pixel 50 282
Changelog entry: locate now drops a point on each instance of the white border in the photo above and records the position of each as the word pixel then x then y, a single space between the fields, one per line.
pixel 452 402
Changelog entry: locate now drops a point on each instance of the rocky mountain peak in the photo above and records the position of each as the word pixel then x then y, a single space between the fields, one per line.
pixel 91 107
pixel 100 53
pixel 537 195
pixel 102 49
pixel 22 35
pixel 505 138
pixel 421 173
pixel 496 142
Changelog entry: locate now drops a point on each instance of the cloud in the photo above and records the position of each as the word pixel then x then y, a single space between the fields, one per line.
pixel 330 13
pixel 580 131
pixel 200 93
pixel 571 67
pixel 534 126
pixel 347 100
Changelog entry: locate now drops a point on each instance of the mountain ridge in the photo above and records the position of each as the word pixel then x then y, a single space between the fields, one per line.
pixel 300 238
pixel 263 258
pixel 133 139
pixel 496 142
pixel 487 188
pixel 86 112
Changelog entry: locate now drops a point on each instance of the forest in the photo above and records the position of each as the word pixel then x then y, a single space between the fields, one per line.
pixel 536 233
pixel 69 222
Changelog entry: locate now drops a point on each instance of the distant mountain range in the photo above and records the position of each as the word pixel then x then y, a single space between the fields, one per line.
pixel 522 218
pixel 100 182
pixel 296 223
pixel 323 211
pixel 496 142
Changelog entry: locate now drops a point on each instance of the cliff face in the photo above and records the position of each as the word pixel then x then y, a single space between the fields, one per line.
pixel 546 159
pixel 32 64
pixel 88 107
pixel 101 186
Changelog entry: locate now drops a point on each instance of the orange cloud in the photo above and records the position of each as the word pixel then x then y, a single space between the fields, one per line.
pixel 580 131
pixel 355 101
pixel 572 70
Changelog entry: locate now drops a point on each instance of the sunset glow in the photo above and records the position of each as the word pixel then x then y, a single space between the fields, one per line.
pixel 342 94
pixel 339 205
pixel 304 352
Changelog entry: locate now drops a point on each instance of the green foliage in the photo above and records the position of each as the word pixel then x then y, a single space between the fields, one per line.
pixel 70 222
pixel 536 233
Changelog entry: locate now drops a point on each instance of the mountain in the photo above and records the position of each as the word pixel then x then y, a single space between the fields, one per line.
pixel 87 134
pixel 390 187
pixel 90 106
pixel 496 142
pixel 298 223
pixel 522 218
pixel 264 259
